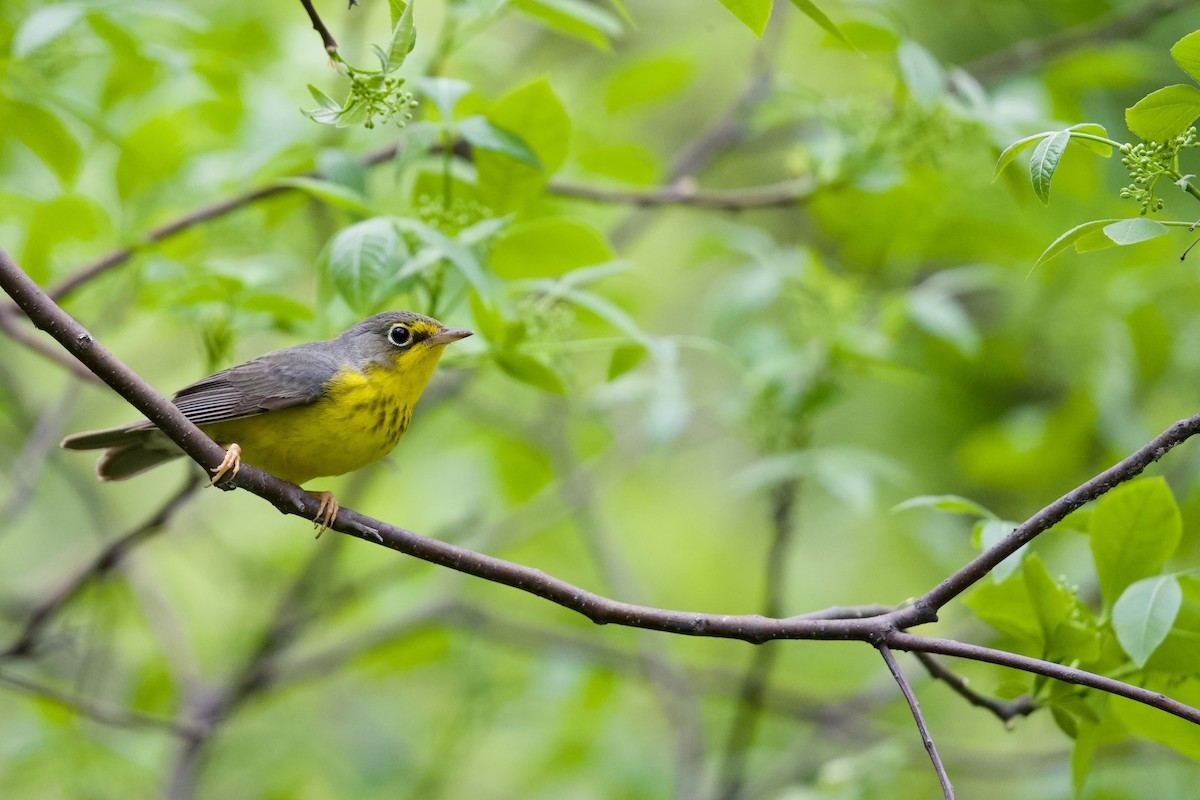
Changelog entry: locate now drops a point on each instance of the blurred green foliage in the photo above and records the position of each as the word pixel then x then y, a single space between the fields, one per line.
pixel 643 383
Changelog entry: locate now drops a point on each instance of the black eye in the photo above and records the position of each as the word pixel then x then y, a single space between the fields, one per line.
pixel 400 336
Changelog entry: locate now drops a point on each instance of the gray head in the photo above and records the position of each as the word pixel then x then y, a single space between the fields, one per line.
pixel 385 337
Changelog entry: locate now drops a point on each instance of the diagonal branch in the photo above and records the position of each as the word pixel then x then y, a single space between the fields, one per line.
pixel 915 707
pixel 327 39
pixel 291 499
pixel 115 717
pixel 109 557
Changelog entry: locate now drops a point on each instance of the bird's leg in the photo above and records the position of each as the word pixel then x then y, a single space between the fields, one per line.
pixel 327 513
pixel 232 463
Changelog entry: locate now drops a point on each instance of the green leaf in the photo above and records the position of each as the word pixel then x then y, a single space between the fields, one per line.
pixel 482 134
pixel 47 136
pixel 1092 129
pixel 404 34
pixel 1132 231
pixel 923 75
pixel 1015 149
pixel 534 113
pixel 457 253
pixel 754 14
pixel 488 321
pixel 955 504
pixel 1179 734
pixel 1007 607
pixel 1143 615
pixel 1164 114
pixel 647 81
pixel 1068 628
pixel 575 18
pixel 444 93
pixel 625 358
pixel 328 108
pixel 1186 53
pixel 810 10
pixel 1179 652
pixel 334 194
pixel 1044 162
pixel 528 369
pixel 548 246
pixel 940 314
pixel 1072 236
pixel 1134 529
pixel 361 260
pixel 43 25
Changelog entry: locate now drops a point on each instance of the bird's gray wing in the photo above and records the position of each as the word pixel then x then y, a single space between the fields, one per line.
pixel 294 376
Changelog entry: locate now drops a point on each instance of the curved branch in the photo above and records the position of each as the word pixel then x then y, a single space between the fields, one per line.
pixel 1005 711
pixel 784 194
pixel 291 499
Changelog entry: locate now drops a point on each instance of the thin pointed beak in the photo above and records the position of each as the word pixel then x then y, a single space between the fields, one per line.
pixel 448 335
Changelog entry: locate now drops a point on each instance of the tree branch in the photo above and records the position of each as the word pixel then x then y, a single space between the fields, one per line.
pixel 119 718
pixel 784 194
pixel 1005 711
pixel 915 707
pixel 327 39
pixel 291 499
pixel 105 560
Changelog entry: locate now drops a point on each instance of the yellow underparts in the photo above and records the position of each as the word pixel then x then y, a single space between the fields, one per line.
pixel 358 420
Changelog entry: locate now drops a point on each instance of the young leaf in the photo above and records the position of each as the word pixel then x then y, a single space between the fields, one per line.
pixel 1015 149
pixel 330 193
pixel 991 533
pixel 1134 529
pixel 1044 162
pixel 1186 53
pixel 484 135
pixel 404 36
pixel 923 75
pixel 1132 231
pixel 444 93
pixel 955 504
pixel 754 14
pixel 360 258
pixel 528 369
pixel 625 358
pixel 1143 615
pixel 1092 129
pixel 1072 236
pixel 1164 114
pixel 575 18
pixel 809 9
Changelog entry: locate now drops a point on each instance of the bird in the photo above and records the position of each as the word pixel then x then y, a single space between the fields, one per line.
pixel 308 411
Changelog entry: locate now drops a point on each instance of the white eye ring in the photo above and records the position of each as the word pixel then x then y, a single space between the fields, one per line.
pixel 400 336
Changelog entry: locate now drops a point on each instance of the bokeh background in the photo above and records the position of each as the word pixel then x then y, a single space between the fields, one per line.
pixel 712 409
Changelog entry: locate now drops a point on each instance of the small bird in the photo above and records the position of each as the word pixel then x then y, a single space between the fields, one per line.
pixel 309 411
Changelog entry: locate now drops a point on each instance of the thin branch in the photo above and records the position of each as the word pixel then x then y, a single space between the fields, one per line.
pixel 915 707
pixel 291 499
pixel 1124 470
pixel 327 39
pixel 105 560
pixel 1005 710
pixel 1028 53
pixel 785 194
pixel 900 640
pixel 744 728
pixel 118 718
pixel 42 440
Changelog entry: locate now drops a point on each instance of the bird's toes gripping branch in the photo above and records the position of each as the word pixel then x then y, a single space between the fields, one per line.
pixel 231 464
pixel 326 513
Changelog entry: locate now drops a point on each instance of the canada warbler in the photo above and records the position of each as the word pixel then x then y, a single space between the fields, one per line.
pixel 303 412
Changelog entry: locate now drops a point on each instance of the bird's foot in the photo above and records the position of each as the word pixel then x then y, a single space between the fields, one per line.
pixel 231 464
pixel 327 512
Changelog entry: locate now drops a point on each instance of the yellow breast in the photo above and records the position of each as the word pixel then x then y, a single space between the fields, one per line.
pixel 358 420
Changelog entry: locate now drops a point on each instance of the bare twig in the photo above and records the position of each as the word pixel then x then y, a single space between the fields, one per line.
pixel 1029 53
pixel 119 718
pixel 785 194
pixel 327 39
pixel 105 560
pixel 1005 711
pixel 915 707
pixel 884 629
pixel 744 728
